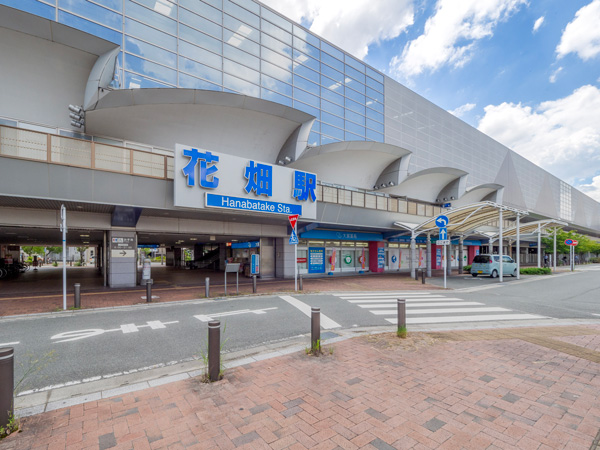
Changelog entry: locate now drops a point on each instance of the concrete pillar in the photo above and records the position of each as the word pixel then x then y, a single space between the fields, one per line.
pixel 460 254
pixel 413 266
pixel 428 256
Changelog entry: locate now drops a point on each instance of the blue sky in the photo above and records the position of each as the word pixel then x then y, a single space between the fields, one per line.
pixel 526 72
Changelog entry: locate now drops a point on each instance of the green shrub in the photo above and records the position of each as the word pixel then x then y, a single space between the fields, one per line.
pixel 467 268
pixel 55 264
pixel 77 264
pixel 536 271
pixel 595 260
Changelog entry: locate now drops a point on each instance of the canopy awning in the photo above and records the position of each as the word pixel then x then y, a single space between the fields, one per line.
pixel 531 228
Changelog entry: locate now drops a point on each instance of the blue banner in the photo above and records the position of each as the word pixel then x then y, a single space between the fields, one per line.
pixel 342 235
pixel 316 260
pixel 381 257
pixel 249 204
pixel 255 264
pixel 252 244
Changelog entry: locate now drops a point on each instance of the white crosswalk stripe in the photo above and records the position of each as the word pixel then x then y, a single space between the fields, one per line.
pixel 427 307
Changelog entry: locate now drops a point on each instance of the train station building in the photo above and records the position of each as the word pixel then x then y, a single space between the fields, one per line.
pixel 203 125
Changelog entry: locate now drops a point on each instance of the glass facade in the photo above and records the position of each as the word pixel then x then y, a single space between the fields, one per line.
pixel 232 46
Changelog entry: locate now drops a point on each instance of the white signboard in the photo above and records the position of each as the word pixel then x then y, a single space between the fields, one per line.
pixel 207 179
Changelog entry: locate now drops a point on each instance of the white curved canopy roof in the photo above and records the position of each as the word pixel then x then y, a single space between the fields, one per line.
pixel 426 184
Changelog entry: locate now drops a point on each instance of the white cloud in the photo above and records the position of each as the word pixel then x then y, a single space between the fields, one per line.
pixel 592 189
pixel 555 74
pixel 461 110
pixel 562 136
pixel 352 25
pixel 451 33
pixel 538 23
pixel 582 34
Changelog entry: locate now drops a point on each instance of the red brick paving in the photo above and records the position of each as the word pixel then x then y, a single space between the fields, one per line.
pixel 484 389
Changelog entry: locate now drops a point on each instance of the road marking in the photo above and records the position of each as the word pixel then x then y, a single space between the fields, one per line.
pixel 394 297
pixel 386 294
pixel 408 300
pixel 69 336
pixel 326 322
pixel 9 343
pixel 208 318
pixel 483 318
pixel 442 311
pixel 420 305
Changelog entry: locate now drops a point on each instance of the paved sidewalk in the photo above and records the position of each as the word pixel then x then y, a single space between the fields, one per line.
pixel 522 388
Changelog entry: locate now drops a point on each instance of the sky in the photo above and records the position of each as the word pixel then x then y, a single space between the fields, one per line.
pixel 525 72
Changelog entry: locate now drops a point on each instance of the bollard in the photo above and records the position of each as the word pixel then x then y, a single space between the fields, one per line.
pixel 214 349
pixel 422 277
pixel 207 287
pixel 315 328
pixel 254 284
pixel 7 382
pixel 401 315
pixel 417 275
pixel 77 296
pixel 300 282
pixel 149 290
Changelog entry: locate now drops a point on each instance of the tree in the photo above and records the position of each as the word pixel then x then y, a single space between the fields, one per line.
pixel 81 251
pixel 34 251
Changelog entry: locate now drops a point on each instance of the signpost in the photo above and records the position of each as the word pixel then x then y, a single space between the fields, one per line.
pixel 294 241
pixel 572 243
pixel 442 223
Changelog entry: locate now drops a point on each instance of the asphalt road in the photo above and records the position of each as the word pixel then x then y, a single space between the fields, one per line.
pixel 85 345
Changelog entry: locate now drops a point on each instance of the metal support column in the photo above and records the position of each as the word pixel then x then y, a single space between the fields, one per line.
pixel 500 242
pixel 63 228
pixel 428 256
pixel 539 247
pixel 518 246
pixel 460 254
pixel 413 240
pixel 104 259
pixel 554 255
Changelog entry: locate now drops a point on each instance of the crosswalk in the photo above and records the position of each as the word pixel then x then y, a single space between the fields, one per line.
pixel 431 308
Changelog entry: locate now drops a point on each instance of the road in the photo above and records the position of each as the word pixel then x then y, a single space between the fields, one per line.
pixel 88 345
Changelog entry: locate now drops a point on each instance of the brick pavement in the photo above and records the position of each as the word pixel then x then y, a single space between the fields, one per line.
pixel 481 389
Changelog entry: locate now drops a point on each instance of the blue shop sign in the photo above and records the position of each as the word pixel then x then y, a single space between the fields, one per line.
pixel 381 257
pixel 418 240
pixel 249 204
pixel 316 259
pixel 251 244
pixel 341 235
pixel 466 242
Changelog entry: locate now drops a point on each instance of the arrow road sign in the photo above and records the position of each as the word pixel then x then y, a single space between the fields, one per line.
pixel 441 221
pixel 443 234
pixel 294 238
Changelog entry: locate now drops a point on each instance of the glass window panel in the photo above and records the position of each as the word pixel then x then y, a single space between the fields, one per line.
pixel 332 85
pixel 304 47
pixel 249 5
pixel 202 9
pixel 240 71
pixel 276 85
pixel 332 50
pixel 331 61
pixel 93 12
pixel 151 18
pixel 241 13
pixel 356 129
pixel 277 32
pixel 241 86
pixel 305 97
pixel 199 54
pixel 376 106
pixel 200 70
pixel 332 108
pixel 356 107
pixel 199 38
pixel 117 5
pixel 331 73
pixel 374 136
pixel 200 23
pixel 357 65
pixel 316 126
pixel 374 94
pixel 332 120
pixel 149 51
pixel 353 137
pixel 276 72
pixel 306 85
pixel 332 96
pixel 32 6
pixel 276 45
pixel 189 82
pixel 150 69
pixel 374 115
pixel 241 57
pixel 374 84
pixel 307 109
pixel 355 74
pixel 277 59
pixel 354 117
pixel 375 125
pixel 135 81
pixel 277 20
pixel 307 73
pixel 241 42
pixel 307 61
pixel 164 7
pixel 354 84
pixel 332 131
pixel 275 97
pixel 150 34
pixel 355 96
pixel 375 75
pixel 89 27
pixel 328 140
pixel 241 28
pixel 314 139
pixel 305 35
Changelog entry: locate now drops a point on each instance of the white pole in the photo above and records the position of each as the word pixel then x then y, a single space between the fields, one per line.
pixel 444 265
pixel 500 247
pixel 518 246
pixel 539 245
pixel 63 227
pixel 296 259
pixel 554 256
